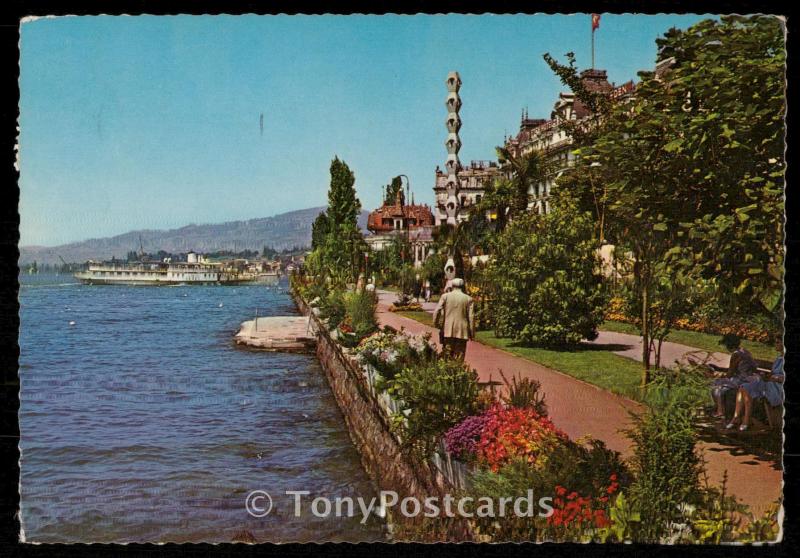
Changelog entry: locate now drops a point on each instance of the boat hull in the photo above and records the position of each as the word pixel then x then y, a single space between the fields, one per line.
pixel 141 282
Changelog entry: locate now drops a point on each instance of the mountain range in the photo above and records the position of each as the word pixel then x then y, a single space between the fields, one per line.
pixel 286 230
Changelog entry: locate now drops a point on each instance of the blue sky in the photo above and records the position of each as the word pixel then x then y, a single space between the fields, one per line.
pixel 153 122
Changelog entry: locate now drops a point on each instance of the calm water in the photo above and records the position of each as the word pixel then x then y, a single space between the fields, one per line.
pixel 143 422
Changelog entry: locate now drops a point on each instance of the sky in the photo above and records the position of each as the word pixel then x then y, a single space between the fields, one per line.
pixel 153 122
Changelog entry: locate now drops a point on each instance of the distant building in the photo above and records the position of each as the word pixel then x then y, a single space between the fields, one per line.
pixel 413 220
pixel 473 181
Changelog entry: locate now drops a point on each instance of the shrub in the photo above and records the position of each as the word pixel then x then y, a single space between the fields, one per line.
pixel 513 480
pixel 547 286
pixel 435 396
pixel 585 466
pixel 583 480
pixel 360 308
pixel 332 308
pixel 524 394
pixel 433 271
pixel 666 466
pixel 390 352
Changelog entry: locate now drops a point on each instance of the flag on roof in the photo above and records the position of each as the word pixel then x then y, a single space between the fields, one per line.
pixel 595 21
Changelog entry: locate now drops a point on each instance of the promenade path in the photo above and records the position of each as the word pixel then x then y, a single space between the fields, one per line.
pixel 581 409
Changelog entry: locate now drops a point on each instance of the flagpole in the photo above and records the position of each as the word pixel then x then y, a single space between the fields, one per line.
pixel 592 47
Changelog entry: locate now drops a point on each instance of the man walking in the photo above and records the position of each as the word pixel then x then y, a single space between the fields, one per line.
pixel 455 319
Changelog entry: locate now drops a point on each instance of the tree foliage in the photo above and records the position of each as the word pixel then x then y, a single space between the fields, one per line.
pixel 319 230
pixel 338 245
pixel 525 171
pixel 690 170
pixel 547 289
pixel 343 205
pixel 394 188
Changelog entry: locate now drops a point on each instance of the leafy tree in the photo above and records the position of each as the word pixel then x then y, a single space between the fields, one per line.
pixel 598 103
pixel 433 271
pixel 268 252
pixel 690 171
pixel 728 81
pixel 394 188
pixel 547 289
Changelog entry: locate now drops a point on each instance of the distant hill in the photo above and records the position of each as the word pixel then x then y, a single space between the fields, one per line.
pixel 286 230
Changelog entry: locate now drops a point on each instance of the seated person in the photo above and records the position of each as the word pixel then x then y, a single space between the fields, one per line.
pixel 769 387
pixel 741 370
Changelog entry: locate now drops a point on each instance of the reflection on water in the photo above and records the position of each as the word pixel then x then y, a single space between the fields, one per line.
pixel 141 421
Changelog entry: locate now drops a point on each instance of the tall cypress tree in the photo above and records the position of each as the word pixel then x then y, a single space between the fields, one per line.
pixel 343 205
pixel 319 230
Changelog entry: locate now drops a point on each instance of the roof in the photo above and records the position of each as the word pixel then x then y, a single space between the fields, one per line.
pixel 420 213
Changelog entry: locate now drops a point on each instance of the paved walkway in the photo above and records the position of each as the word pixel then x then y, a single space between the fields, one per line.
pixel 582 409
pixel 630 346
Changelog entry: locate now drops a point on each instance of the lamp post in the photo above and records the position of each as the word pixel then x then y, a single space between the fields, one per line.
pixel 405 225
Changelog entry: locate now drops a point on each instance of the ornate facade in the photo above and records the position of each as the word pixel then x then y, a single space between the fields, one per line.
pixel 414 221
pixel 548 136
pixel 472 182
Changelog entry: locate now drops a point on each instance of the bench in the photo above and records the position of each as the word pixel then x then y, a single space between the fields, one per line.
pixel 772 415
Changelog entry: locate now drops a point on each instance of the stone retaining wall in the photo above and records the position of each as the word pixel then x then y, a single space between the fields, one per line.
pixel 366 414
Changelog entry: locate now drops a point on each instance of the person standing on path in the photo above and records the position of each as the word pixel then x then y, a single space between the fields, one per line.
pixel 454 316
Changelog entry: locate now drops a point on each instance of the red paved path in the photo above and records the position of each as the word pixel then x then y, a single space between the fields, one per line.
pixel 581 409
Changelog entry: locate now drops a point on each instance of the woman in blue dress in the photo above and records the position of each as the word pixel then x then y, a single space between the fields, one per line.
pixel 770 387
pixel 741 370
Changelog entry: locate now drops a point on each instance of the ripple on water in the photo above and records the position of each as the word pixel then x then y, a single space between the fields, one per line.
pixel 143 422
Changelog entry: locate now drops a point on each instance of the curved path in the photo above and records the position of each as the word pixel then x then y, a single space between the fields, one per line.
pixel 582 409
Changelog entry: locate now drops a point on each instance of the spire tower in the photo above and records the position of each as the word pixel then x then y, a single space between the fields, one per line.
pixel 453 145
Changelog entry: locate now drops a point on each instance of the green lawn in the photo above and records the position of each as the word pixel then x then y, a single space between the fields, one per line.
pixel 705 341
pixel 421 316
pixel 597 366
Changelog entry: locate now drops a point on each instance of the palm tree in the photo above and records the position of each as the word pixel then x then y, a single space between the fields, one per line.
pixel 524 171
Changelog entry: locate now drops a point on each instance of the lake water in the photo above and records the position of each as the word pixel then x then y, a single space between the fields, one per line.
pixel 141 421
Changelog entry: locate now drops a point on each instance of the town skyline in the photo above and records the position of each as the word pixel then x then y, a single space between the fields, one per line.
pixel 144 122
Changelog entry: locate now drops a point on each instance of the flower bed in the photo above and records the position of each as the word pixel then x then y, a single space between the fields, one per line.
pixel 405 303
pixel 615 311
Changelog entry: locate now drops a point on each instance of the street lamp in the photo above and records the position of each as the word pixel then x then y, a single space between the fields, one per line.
pixel 405 224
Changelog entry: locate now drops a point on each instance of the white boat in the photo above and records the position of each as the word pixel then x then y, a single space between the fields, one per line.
pixel 150 273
